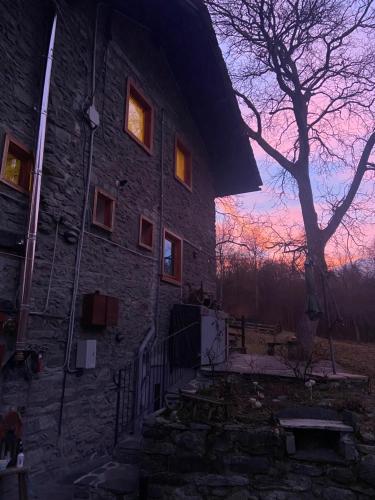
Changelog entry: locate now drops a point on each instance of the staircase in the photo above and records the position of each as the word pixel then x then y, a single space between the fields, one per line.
pixel 118 479
pixel 121 478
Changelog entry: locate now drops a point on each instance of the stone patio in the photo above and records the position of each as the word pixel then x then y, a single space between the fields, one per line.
pixel 273 365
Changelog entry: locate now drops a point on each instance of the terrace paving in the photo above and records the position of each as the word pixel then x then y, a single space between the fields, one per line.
pixel 258 364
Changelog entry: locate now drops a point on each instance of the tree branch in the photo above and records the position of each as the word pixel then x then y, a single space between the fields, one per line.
pixel 342 209
pixel 266 146
pixel 253 108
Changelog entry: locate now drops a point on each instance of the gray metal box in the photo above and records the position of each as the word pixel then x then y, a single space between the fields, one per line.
pixel 86 354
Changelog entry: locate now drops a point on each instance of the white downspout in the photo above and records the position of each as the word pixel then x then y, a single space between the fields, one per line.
pixel 28 268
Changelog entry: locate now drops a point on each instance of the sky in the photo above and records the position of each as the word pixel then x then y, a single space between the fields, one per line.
pixel 287 209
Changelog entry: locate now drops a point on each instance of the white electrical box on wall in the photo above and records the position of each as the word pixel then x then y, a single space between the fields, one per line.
pixel 86 354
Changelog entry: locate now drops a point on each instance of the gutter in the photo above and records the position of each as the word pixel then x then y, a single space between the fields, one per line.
pixel 28 268
pixel 153 332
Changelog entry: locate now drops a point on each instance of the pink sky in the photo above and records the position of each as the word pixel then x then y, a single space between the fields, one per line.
pixel 288 209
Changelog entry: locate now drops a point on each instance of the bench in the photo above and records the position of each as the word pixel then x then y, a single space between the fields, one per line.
pixel 271 347
pixel 289 344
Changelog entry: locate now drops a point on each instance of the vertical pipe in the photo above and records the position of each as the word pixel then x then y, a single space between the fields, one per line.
pixel 128 390
pixel 161 221
pixel 118 389
pixel 163 365
pixel 28 268
pixel 243 333
pixel 149 378
pixel 77 266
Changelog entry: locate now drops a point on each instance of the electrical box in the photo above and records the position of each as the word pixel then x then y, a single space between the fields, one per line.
pixel 99 310
pixel 205 339
pixel 86 354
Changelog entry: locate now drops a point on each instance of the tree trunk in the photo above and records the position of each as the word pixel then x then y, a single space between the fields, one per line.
pixel 305 333
pixel 315 271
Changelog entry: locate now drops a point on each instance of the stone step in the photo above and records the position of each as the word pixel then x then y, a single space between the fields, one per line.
pixel 128 450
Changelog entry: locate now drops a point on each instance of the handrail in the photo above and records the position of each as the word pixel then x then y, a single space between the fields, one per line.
pixel 143 381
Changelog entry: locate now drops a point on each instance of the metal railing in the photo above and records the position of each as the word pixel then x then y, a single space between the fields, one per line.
pixel 143 382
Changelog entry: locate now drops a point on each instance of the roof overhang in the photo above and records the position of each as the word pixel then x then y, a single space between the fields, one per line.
pixel 184 30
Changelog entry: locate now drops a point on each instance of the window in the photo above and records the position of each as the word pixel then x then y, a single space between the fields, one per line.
pixel 139 117
pixel 183 164
pixel 172 258
pixel 17 164
pixel 146 233
pixel 104 210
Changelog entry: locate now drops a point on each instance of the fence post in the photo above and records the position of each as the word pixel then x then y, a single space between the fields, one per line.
pixel 243 332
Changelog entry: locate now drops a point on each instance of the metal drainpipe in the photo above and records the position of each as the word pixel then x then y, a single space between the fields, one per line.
pixel 161 235
pixel 28 268
pixel 152 332
pixel 81 238
pixel 77 268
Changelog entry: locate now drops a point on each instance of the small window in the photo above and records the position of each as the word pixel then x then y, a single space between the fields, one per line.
pixel 104 210
pixel 146 233
pixel 172 258
pixel 183 164
pixel 139 117
pixel 17 164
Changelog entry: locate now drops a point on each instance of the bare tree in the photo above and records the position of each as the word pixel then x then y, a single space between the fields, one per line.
pixel 237 233
pixel 304 71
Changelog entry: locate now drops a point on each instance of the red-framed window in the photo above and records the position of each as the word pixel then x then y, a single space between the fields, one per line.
pixel 183 164
pixel 172 258
pixel 146 233
pixel 104 210
pixel 139 117
pixel 17 165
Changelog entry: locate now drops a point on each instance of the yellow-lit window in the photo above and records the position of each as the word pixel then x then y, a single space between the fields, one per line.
pixel 139 117
pixel 183 164
pixel 17 165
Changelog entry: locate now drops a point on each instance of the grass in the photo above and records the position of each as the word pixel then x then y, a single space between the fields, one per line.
pixel 354 357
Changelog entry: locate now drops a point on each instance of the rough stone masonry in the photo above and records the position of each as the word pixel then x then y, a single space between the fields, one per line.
pixel 207 461
pixel 112 263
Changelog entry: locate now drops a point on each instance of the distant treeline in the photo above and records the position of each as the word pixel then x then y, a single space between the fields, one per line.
pixel 274 292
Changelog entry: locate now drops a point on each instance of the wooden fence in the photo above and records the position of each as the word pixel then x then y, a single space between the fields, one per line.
pixel 250 327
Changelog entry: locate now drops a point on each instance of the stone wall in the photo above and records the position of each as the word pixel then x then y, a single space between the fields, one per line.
pixel 112 263
pixel 227 461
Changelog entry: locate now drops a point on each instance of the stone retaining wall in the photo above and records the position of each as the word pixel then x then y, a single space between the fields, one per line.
pixel 209 461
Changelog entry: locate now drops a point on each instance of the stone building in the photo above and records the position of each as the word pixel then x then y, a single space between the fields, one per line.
pixel 143 132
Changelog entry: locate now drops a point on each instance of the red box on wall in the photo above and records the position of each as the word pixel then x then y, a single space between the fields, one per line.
pixel 99 310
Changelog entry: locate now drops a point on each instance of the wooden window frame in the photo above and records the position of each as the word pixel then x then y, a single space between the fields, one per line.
pixel 140 242
pixel 180 144
pixel 133 89
pixel 7 143
pixel 177 278
pixel 99 191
